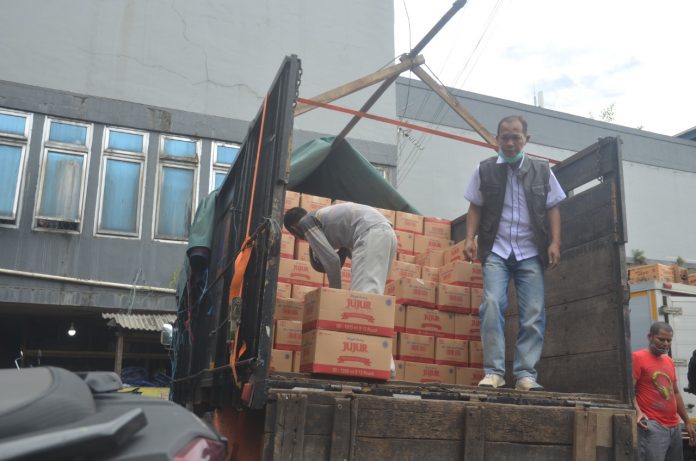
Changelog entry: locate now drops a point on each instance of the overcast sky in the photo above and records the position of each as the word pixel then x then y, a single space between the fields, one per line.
pixel 583 55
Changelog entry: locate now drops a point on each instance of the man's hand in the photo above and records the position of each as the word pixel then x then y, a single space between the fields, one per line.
pixel 692 434
pixel 470 249
pixel 641 419
pixel 554 254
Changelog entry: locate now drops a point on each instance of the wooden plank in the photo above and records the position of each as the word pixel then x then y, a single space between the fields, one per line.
pixel 319 417
pixel 420 419
pixel 316 447
pixel 288 442
pixel 579 327
pixel 591 373
pixel 407 449
pixel 361 83
pixel 527 424
pixel 592 162
pixel 340 431
pixel 587 216
pixel 625 437
pixel 585 436
pixel 584 272
pixel 497 451
pixel 454 104
pixel 473 435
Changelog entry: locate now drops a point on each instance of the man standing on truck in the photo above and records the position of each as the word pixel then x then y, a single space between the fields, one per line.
pixel 358 231
pixel 514 211
pixel 658 401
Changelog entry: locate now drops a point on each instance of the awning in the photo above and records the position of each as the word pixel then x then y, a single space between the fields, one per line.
pixel 142 322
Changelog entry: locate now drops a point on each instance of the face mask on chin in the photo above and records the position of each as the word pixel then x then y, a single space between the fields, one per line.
pixel 657 350
pixel 514 159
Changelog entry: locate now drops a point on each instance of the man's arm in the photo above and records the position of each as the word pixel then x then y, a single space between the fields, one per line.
pixel 554 215
pixel 473 218
pixel 326 255
pixel 681 409
pixel 641 419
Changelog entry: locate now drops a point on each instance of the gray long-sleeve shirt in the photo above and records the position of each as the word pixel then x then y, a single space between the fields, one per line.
pixel 335 227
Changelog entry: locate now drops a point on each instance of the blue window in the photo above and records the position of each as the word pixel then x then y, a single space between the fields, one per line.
pixel 14 140
pixel 176 191
pixel 224 156
pixel 62 186
pixel 175 204
pixel 62 179
pixel 123 165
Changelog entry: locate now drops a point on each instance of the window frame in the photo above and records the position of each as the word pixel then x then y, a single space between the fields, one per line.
pixel 22 141
pixel 68 149
pixel 140 158
pixel 165 161
pixel 215 166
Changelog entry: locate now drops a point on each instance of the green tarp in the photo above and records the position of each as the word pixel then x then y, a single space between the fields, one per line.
pixel 344 174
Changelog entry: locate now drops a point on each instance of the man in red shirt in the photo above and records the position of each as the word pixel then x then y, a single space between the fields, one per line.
pixel 658 401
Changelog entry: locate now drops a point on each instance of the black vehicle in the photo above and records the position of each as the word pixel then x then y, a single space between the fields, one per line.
pixel 50 413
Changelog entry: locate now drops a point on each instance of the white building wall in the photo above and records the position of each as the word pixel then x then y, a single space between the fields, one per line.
pixel 215 57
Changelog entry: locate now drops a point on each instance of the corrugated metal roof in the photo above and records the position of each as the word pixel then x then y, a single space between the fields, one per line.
pixel 143 322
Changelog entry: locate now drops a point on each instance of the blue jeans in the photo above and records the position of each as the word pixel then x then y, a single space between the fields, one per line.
pixel 529 284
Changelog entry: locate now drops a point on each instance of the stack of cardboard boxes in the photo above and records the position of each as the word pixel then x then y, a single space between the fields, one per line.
pixel 437 326
pixel 661 273
pixel 427 318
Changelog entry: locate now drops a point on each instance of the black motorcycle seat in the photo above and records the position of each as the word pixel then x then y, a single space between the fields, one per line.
pixel 34 399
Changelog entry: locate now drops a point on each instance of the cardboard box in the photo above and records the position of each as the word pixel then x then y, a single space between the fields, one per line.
pixel 659 272
pixel 453 298
pixel 423 321
pixel 292 200
pixel 351 311
pixel 437 227
pixel 469 376
pixel 475 354
pixel 399 364
pixel 400 317
pixel 454 352
pixel 404 242
pixel 467 327
pixel 406 257
pixel 346 354
pixel 296 359
pixel 430 274
pixel 431 258
pixel 389 214
pixel 346 277
pixel 415 292
pixel 300 291
pixel 408 222
pixel 462 273
pixel 301 250
pixel 299 273
pixel 288 335
pixel 454 253
pixel 692 279
pixel 681 274
pixel 403 269
pixel 313 202
pixel 288 309
pixel 416 348
pixel 476 300
pixel 429 373
pixel 287 245
pixel 281 360
pixel 283 290
pixel 422 244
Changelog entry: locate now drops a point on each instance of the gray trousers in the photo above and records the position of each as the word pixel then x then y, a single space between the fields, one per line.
pixel 660 443
pixel 371 260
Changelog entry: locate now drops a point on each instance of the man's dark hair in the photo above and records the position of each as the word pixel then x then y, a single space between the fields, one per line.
pixel 657 326
pixel 293 216
pixel 513 118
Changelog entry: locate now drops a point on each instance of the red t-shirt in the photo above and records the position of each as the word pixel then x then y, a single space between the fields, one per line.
pixel 655 378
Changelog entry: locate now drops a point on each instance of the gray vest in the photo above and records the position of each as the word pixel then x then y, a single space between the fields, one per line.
pixel 534 176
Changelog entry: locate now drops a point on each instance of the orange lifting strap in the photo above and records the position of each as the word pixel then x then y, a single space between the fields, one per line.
pixel 242 260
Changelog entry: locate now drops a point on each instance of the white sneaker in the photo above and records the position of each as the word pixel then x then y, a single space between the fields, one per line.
pixel 492 380
pixel 528 384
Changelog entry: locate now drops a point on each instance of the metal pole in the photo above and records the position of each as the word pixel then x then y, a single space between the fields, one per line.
pixel 456 6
